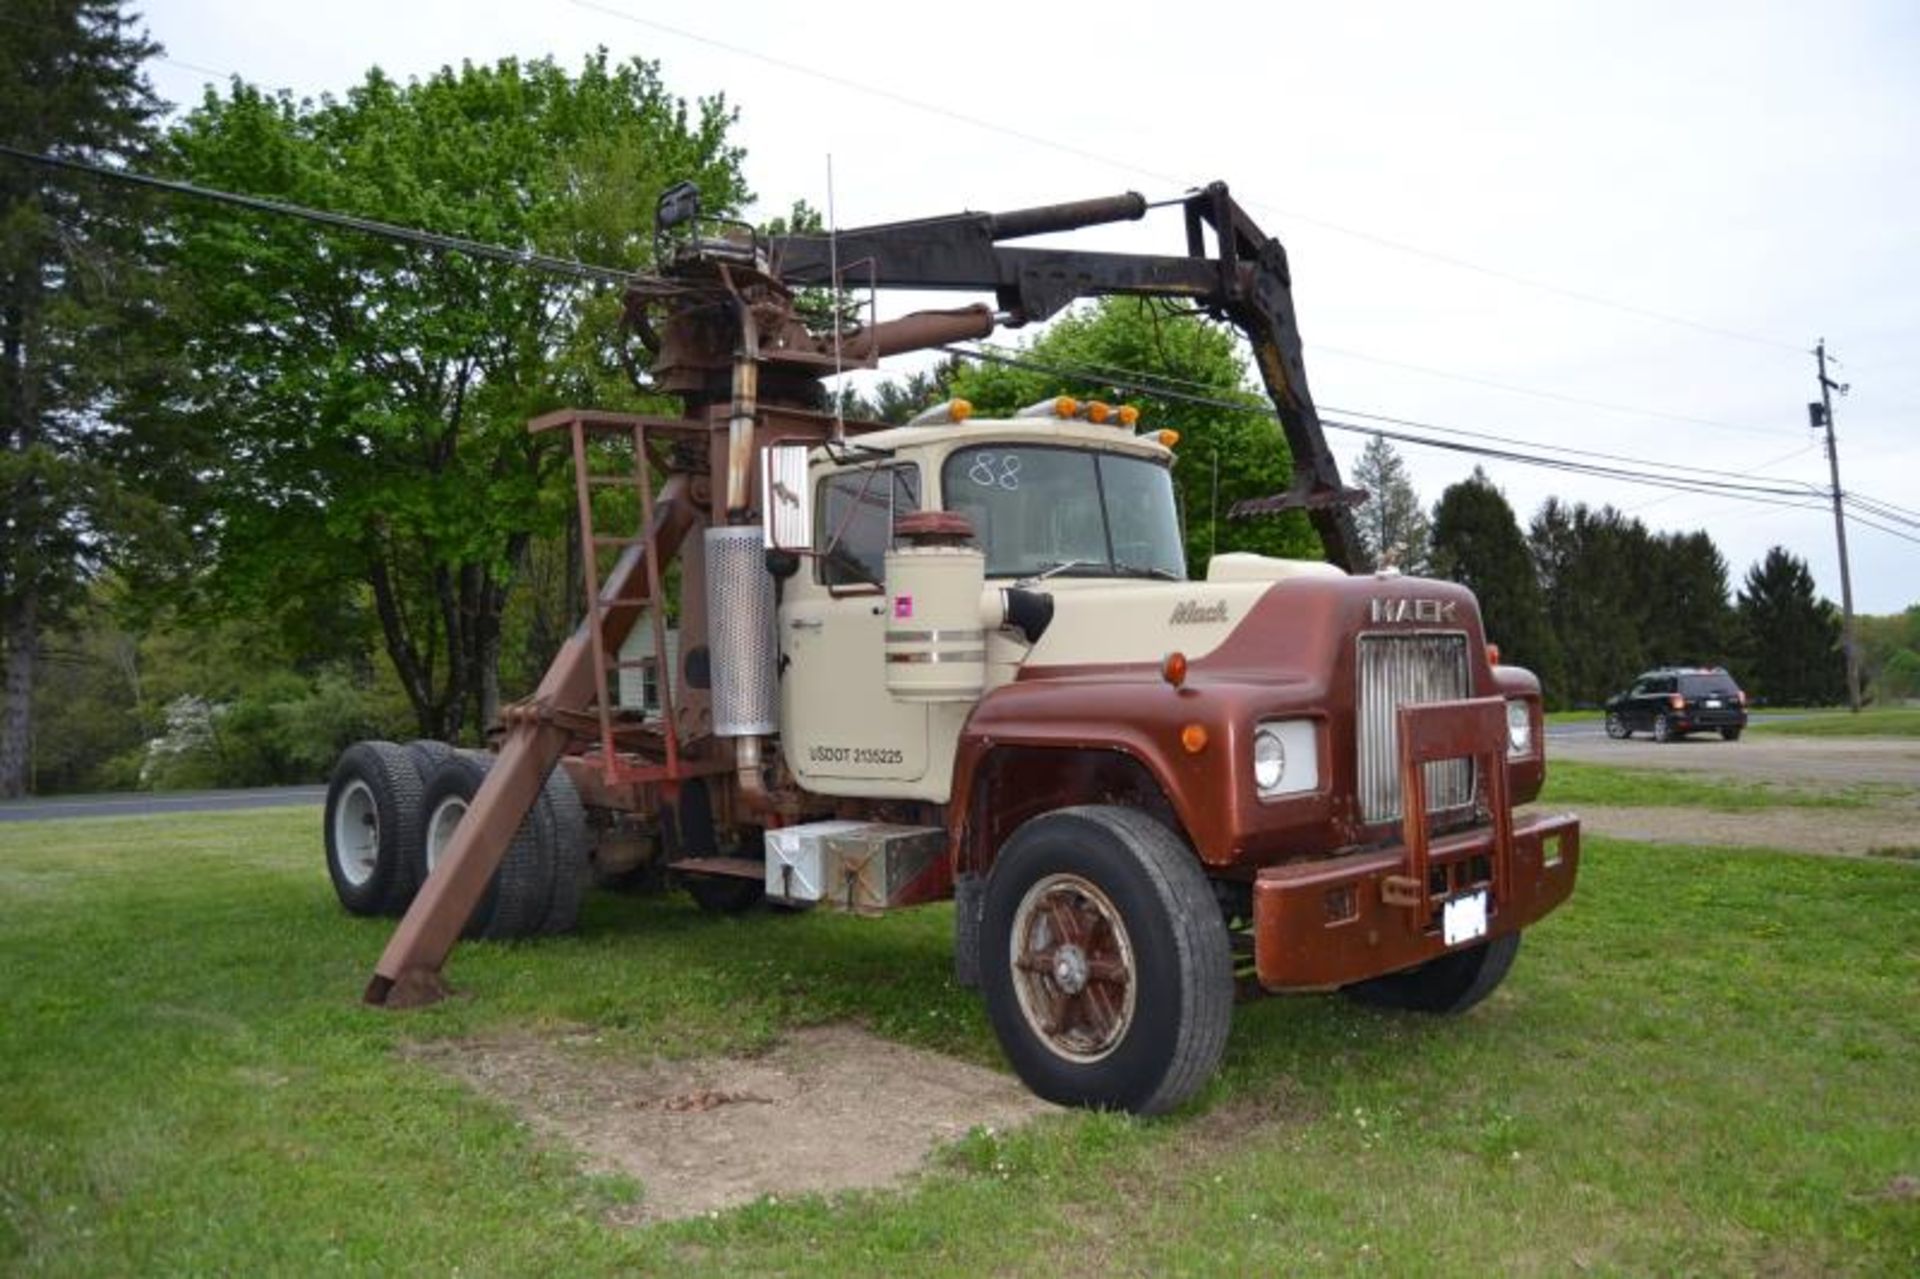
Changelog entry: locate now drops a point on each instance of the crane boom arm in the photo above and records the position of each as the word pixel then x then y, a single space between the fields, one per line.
pixel 1244 280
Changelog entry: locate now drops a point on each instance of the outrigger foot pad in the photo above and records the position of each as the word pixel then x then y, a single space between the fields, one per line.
pixel 414 988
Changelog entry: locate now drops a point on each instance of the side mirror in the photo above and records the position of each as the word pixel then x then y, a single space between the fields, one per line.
pixel 786 499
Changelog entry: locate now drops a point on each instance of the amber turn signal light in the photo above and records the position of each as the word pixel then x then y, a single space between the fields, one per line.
pixel 1173 669
pixel 1194 738
pixel 1493 655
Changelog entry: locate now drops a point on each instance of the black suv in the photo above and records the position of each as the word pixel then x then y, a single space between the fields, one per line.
pixel 1676 700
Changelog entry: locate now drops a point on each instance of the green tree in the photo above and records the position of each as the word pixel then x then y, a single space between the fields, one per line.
pixel 894 400
pixel 369 399
pixel 1621 599
pixel 71 86
pixel 1691 619
pixel 1393 524
pixel 1224 455
pixel 1791 637
pixel 1477 542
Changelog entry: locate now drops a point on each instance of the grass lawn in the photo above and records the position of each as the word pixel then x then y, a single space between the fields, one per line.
pixel 1894 721
pixel 1704 1064
pixel 1573 782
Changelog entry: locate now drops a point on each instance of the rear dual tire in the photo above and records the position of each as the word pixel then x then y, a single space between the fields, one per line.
pixel 538 885
pixel 372 826
pixel 391 811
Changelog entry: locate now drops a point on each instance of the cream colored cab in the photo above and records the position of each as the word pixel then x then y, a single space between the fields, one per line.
pixel 1084 513
pixel 839 725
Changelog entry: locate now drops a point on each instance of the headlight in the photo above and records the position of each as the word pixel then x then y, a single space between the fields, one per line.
pixel 1269 759
pixel 1286 758
pixel 1519 728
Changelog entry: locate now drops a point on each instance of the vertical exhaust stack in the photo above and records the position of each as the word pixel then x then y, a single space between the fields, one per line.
pixel 740 635
pixel 740 419
pixel 740 608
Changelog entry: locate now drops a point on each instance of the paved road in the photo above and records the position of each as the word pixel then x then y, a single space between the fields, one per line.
pixel 1595 729
pixel 144 804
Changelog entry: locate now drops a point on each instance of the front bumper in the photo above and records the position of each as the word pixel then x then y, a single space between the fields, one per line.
pixel 1329 923
pixel 1318 925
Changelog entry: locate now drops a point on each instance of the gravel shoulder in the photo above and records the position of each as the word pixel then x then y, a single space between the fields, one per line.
pixel 1887 827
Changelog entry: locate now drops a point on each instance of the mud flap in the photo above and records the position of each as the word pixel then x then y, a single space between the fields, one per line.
pixel 969 897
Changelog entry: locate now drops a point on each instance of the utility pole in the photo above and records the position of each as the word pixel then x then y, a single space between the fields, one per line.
pixel 1822 415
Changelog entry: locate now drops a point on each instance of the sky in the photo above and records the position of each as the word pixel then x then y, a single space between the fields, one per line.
pixel 1614 226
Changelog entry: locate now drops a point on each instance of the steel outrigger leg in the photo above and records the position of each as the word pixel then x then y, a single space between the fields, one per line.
pixel 408 974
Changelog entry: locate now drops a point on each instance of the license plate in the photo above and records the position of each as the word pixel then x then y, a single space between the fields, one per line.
pixel 1464 919
pixel 1713 703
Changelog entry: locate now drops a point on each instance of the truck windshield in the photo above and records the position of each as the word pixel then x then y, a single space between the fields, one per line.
pixel 1066 512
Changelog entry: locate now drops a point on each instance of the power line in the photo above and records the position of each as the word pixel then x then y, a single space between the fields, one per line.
pixel 1853 518
pixel 342 221
pixel 587 271
pixel 1754 473
pixel 1630 410
pixel 1102 371
pixel 1774 495
pixel 1855 495
pixel 992 126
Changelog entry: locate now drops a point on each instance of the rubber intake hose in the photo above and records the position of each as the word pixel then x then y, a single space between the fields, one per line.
pixel 1029 612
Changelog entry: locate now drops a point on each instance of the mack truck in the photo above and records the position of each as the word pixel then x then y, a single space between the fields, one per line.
pixel 962 658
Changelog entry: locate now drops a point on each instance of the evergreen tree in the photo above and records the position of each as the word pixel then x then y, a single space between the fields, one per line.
pixel 1477 542
pixel 1791 637
pixel 1690 618
pixel 71 86
pixel 1393 524
pixel 1595 572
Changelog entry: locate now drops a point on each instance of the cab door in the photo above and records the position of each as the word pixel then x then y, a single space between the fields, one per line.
pixel 841 731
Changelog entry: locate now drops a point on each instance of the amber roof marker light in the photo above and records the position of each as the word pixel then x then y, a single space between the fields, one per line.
pixel 1173 669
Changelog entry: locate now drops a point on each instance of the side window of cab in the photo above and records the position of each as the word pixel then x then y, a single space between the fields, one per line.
pixel 854 514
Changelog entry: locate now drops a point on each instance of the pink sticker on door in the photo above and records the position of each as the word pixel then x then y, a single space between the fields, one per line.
pixel 903 606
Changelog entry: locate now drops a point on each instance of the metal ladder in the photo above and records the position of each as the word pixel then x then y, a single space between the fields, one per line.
pixel 621 767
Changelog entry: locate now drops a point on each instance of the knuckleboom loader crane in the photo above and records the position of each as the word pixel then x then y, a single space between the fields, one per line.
pixel 960 659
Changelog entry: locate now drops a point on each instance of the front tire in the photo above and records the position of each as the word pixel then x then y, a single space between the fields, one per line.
pixel 1450 983
pixel 1106 967
pixel 1617 727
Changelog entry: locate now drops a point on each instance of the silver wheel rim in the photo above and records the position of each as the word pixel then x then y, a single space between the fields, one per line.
pixel 356 833
pixel 1073 968
pixel 441 822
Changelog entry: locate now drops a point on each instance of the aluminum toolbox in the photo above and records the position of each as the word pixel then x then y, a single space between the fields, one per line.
pixel 874 866
pixel 797 860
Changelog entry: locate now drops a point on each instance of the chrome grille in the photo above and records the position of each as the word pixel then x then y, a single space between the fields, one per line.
pixel 1395 669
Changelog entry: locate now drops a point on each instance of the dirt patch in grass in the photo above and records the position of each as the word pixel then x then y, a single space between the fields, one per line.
pixel 829 1108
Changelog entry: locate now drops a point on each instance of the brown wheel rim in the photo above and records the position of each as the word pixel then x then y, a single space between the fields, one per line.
pixel 1073 967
